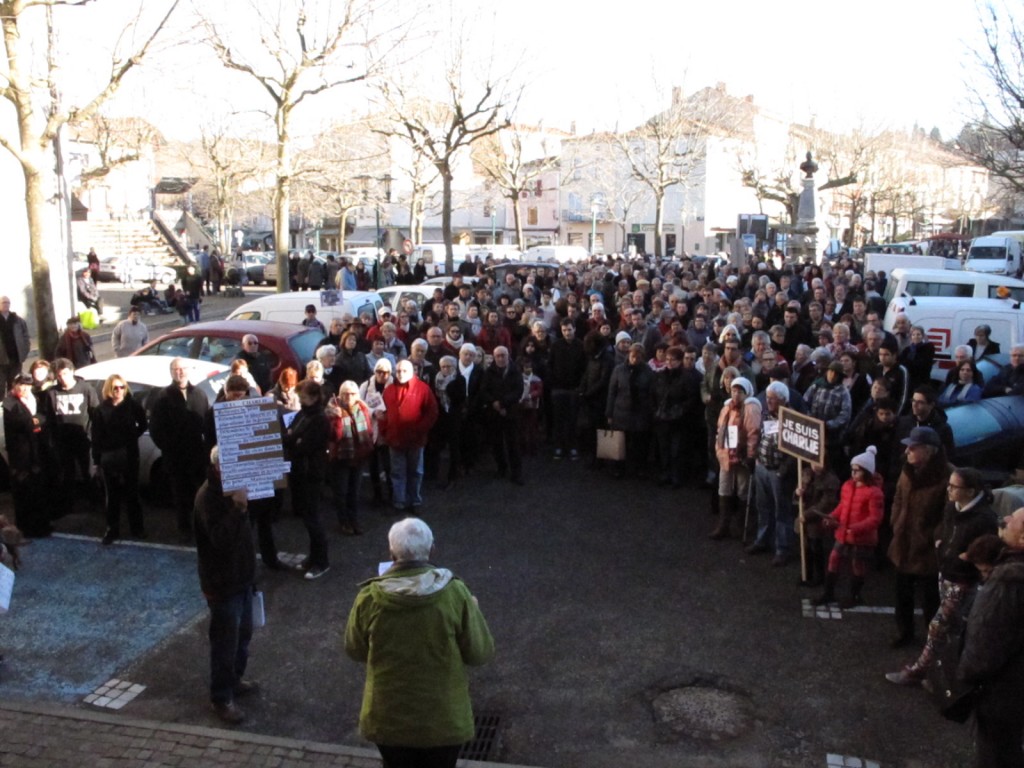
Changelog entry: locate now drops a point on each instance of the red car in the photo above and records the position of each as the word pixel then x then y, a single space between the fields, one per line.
pixel 220 341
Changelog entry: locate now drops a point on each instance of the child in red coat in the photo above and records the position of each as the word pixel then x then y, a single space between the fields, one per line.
pixel 855 524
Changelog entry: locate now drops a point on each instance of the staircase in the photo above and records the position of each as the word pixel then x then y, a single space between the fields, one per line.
pixel 140 238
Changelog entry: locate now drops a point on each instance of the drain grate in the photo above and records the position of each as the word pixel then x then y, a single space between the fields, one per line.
pixel 485 738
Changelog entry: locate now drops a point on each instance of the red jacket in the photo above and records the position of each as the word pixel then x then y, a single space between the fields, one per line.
pixel 411 412
pixel 859 513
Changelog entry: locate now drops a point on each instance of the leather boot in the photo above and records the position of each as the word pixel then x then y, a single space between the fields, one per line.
pixel 725 513
pixel 829 595
pixel 856 585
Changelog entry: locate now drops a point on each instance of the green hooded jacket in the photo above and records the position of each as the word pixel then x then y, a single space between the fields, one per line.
pixel 417 628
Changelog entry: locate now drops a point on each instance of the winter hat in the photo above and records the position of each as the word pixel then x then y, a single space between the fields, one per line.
pixel 743 384
pixel 622 336
pixel 922 436
pixel 866 460
pixel 836 366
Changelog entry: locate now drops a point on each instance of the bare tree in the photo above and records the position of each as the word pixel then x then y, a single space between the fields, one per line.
pixel 512 170
pixel 339 166
pixel 40 116
pixel 669 149
pixel 226 166
pixel 441 131
pixel 310 48
pixel 995 138
pixel 118 142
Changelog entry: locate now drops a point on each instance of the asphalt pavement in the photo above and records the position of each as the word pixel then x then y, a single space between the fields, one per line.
pixel 624 638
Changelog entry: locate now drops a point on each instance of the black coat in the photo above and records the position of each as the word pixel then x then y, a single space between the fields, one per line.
pixel 959 529
pixel 631 397
pixel 993 654
pixel 23 433
pixel 305 442
pixel 176 423
pixel 226 554
pixel 502 386
pixel 118 426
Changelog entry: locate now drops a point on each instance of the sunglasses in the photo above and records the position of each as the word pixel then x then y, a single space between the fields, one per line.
pixel 119 387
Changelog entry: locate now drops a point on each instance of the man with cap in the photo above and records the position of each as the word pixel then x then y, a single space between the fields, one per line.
pixel 129 335
pixel 925 411
pixel 75 344
pixel 917 509
pixel 774 483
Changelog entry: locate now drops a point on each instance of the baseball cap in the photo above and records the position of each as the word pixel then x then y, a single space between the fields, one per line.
pixel 922 436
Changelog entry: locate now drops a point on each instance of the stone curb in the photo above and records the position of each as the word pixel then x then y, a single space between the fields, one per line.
pixel 359 755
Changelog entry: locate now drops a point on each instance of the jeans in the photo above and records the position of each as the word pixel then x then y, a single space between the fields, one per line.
pixel 230 633
pixel 774 510
pixel 345 478
pixel 407 476
pixel 565 405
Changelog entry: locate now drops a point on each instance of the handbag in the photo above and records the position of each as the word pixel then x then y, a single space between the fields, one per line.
pixel 611 444
pixel 953 698
pixel 6 587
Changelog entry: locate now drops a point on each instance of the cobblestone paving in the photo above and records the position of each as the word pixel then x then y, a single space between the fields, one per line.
pixel 45 736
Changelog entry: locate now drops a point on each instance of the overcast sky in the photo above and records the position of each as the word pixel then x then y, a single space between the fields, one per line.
pixel 871 64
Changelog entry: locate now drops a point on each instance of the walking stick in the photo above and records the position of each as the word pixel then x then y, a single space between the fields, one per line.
pixel 746 514
pixel 803 533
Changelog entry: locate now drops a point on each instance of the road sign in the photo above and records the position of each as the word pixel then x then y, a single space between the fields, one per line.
pixel 802 436
pixel 407 246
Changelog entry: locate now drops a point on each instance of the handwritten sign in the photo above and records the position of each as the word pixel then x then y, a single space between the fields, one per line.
pixel 251 454
pixel 802 436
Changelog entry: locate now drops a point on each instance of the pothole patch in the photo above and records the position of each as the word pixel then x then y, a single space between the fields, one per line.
pixel 703 712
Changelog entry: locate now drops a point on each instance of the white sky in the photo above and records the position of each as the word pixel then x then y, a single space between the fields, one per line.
pixel 871 64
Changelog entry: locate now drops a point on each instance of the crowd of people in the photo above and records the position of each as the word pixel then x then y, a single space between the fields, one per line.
pixel 692 364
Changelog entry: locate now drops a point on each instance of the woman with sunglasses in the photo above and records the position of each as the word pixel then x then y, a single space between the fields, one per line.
pixel 116 427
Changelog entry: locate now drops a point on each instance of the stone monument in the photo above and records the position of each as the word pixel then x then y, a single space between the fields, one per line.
pixel 804 241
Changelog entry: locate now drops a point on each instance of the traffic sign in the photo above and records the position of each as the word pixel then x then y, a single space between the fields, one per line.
pixel 407 246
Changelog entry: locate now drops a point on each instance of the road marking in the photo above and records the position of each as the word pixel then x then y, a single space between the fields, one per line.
pixel 126 543
pixel 114 694
pixel 842 761
pixel 830 611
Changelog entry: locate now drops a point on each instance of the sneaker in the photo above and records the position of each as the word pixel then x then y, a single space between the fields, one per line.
pixel 558 453
pixel 573 455
pixel 246 688
pixel 903 677
pixel 315 573
pixel 228 712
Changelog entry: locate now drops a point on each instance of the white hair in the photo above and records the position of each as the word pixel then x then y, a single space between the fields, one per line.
pixel 410 539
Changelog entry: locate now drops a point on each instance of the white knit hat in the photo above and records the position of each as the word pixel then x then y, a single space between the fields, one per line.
pixel 743 384
pixel 622 336
pixel 866 460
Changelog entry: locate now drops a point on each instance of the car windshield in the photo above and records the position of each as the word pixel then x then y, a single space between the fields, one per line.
pixel 987 252
pixel 304 345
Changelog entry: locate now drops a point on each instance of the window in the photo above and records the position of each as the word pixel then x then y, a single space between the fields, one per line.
pixel 177 346
pixel 575 201
pixel 219 349
pixel 921 288
pixel 1017 294
pixel 303 345
pixel 531 215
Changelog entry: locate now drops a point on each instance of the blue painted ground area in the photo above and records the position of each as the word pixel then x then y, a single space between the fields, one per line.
pixel 81 611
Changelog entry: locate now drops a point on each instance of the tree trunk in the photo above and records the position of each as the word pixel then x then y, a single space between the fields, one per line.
pixel 659 212
pixel 282 190
pixel 446 217
pixel 342 226
pixel 42 291
pixel 517 218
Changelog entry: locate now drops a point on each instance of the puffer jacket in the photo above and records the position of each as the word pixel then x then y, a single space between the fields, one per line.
pixel 859 513
pixel 959 529
pixel 916 516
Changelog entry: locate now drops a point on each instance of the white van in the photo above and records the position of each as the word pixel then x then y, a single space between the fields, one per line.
pixel 949 322
pixel 1000 254
pixel 561 254
pixel 291 307
pixel 906 284
pixel 433 255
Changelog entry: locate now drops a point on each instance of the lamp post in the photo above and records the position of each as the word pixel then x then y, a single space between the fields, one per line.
pixel 494 239
pixel 595 208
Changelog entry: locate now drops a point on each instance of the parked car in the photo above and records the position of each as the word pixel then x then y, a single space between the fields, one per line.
pixel 394 295
pixel 112 268
pixel 146 376
pixel 220 341
pixel 254 263
pixel 290 307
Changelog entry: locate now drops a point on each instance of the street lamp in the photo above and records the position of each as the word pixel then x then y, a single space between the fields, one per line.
pixel 595 208
pixel 385 180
